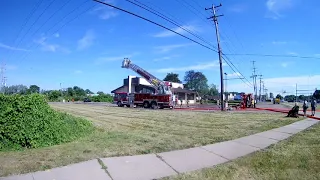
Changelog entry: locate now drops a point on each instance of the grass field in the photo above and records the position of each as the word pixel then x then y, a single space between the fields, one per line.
pixel 295 158
pixel 125 131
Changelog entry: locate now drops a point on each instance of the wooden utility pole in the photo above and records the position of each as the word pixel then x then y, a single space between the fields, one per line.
pixel 215 20
pixel 260 87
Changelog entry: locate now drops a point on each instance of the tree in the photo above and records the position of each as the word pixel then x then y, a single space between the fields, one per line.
pixel 290 98
pixel 279 96
pixel 316 94
pixel 213 90
pixel 172 77
pixel 15 89
pixel 88 91
pixel 54 95
pixel 302 97
pixel 79 91
pixel 100 92
pixel 34 89
pixel 70 92
pixel 196 81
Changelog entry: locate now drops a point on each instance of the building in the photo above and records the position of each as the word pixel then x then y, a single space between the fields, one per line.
pixel 134 84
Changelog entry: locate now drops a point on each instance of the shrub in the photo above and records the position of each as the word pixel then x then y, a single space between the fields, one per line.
pixel 102 98
pixel 27 121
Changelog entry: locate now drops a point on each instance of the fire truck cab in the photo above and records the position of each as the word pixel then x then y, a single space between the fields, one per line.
pixel 121 99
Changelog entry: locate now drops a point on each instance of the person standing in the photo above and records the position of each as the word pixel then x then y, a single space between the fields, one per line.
pixel 313 107
pixel 305 107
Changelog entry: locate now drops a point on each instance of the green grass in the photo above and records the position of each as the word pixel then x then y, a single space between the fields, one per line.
pixel 124 131
pixel 295 158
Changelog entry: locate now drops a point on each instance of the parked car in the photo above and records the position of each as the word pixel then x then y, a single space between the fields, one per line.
pixel 86 100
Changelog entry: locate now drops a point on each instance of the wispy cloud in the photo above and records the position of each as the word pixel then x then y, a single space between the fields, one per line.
pixel 102 60
pixel 284 64
pixel 238 8
pixel 105 12
pixel 236 74
pixel 279 42
pixel 317 55
pixel 167 33
pixel 11 47
pixel 11 67
pixel 167 48
pixel 78 72
pixel 275 8
pixel 202 66
pixel 87 40
pixel 292 53
pixel 45 46
pixel 165 58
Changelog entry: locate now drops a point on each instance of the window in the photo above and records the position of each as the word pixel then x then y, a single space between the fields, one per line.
pixel 181 96
pixel 190 96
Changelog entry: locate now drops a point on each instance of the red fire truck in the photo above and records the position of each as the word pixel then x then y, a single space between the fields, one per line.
pixel 161 98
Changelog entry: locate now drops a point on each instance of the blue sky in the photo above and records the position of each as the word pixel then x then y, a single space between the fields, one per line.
pixel 88 51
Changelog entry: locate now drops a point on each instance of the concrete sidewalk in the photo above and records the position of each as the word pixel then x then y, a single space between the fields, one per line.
pixel 155 166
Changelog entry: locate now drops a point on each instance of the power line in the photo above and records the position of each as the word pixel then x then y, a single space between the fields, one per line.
pixel 229 63
pixel 237 71
pixel 274 55
pixel 24 25
pixel 63 25
pixel 155 24
pixel 155 12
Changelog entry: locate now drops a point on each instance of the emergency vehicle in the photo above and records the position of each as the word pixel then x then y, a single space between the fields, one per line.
pixel 162 98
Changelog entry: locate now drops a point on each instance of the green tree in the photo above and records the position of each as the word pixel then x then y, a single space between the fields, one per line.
pixel 15 89
pixel 316 94
pixel 34 89
pixel 290 98
pixel 196 81
pixel 88 91
pixel 54 95
pixel 100 92
pixel 213 90
pixel 302 97
pixel 172 77
pixel 79 91
pixel 279 96
pixel 70 92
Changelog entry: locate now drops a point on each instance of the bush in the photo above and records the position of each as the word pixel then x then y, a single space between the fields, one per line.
pixel 27 121
pixel 102 98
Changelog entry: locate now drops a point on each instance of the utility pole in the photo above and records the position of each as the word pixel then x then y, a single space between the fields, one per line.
pixel 260 87
pixel 254 79
pixel 3 78
pixel 215 19
pixel 263 88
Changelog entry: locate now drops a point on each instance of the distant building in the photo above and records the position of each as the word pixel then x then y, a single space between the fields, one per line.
pixel 134 84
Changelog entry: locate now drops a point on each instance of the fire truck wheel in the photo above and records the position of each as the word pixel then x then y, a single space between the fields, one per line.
pixel 119 104
pixel 154 105
pixel 146 104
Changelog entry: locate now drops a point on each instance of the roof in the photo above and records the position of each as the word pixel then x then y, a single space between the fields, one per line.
pixel 117 89
pixel 180 90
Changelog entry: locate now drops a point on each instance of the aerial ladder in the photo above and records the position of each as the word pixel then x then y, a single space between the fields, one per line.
pixel 163 96
pixel 161 87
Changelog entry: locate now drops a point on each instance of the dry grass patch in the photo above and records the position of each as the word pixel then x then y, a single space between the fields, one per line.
pixel 295 158
pixel 125 131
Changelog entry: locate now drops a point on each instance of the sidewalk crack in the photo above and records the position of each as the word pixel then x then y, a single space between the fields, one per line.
pixel 104 167
pixel 158 156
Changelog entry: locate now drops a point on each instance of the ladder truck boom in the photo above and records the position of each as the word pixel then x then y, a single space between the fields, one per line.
pixel 161 86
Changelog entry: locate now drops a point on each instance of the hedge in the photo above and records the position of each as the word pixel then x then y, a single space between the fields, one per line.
pixel 27 121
